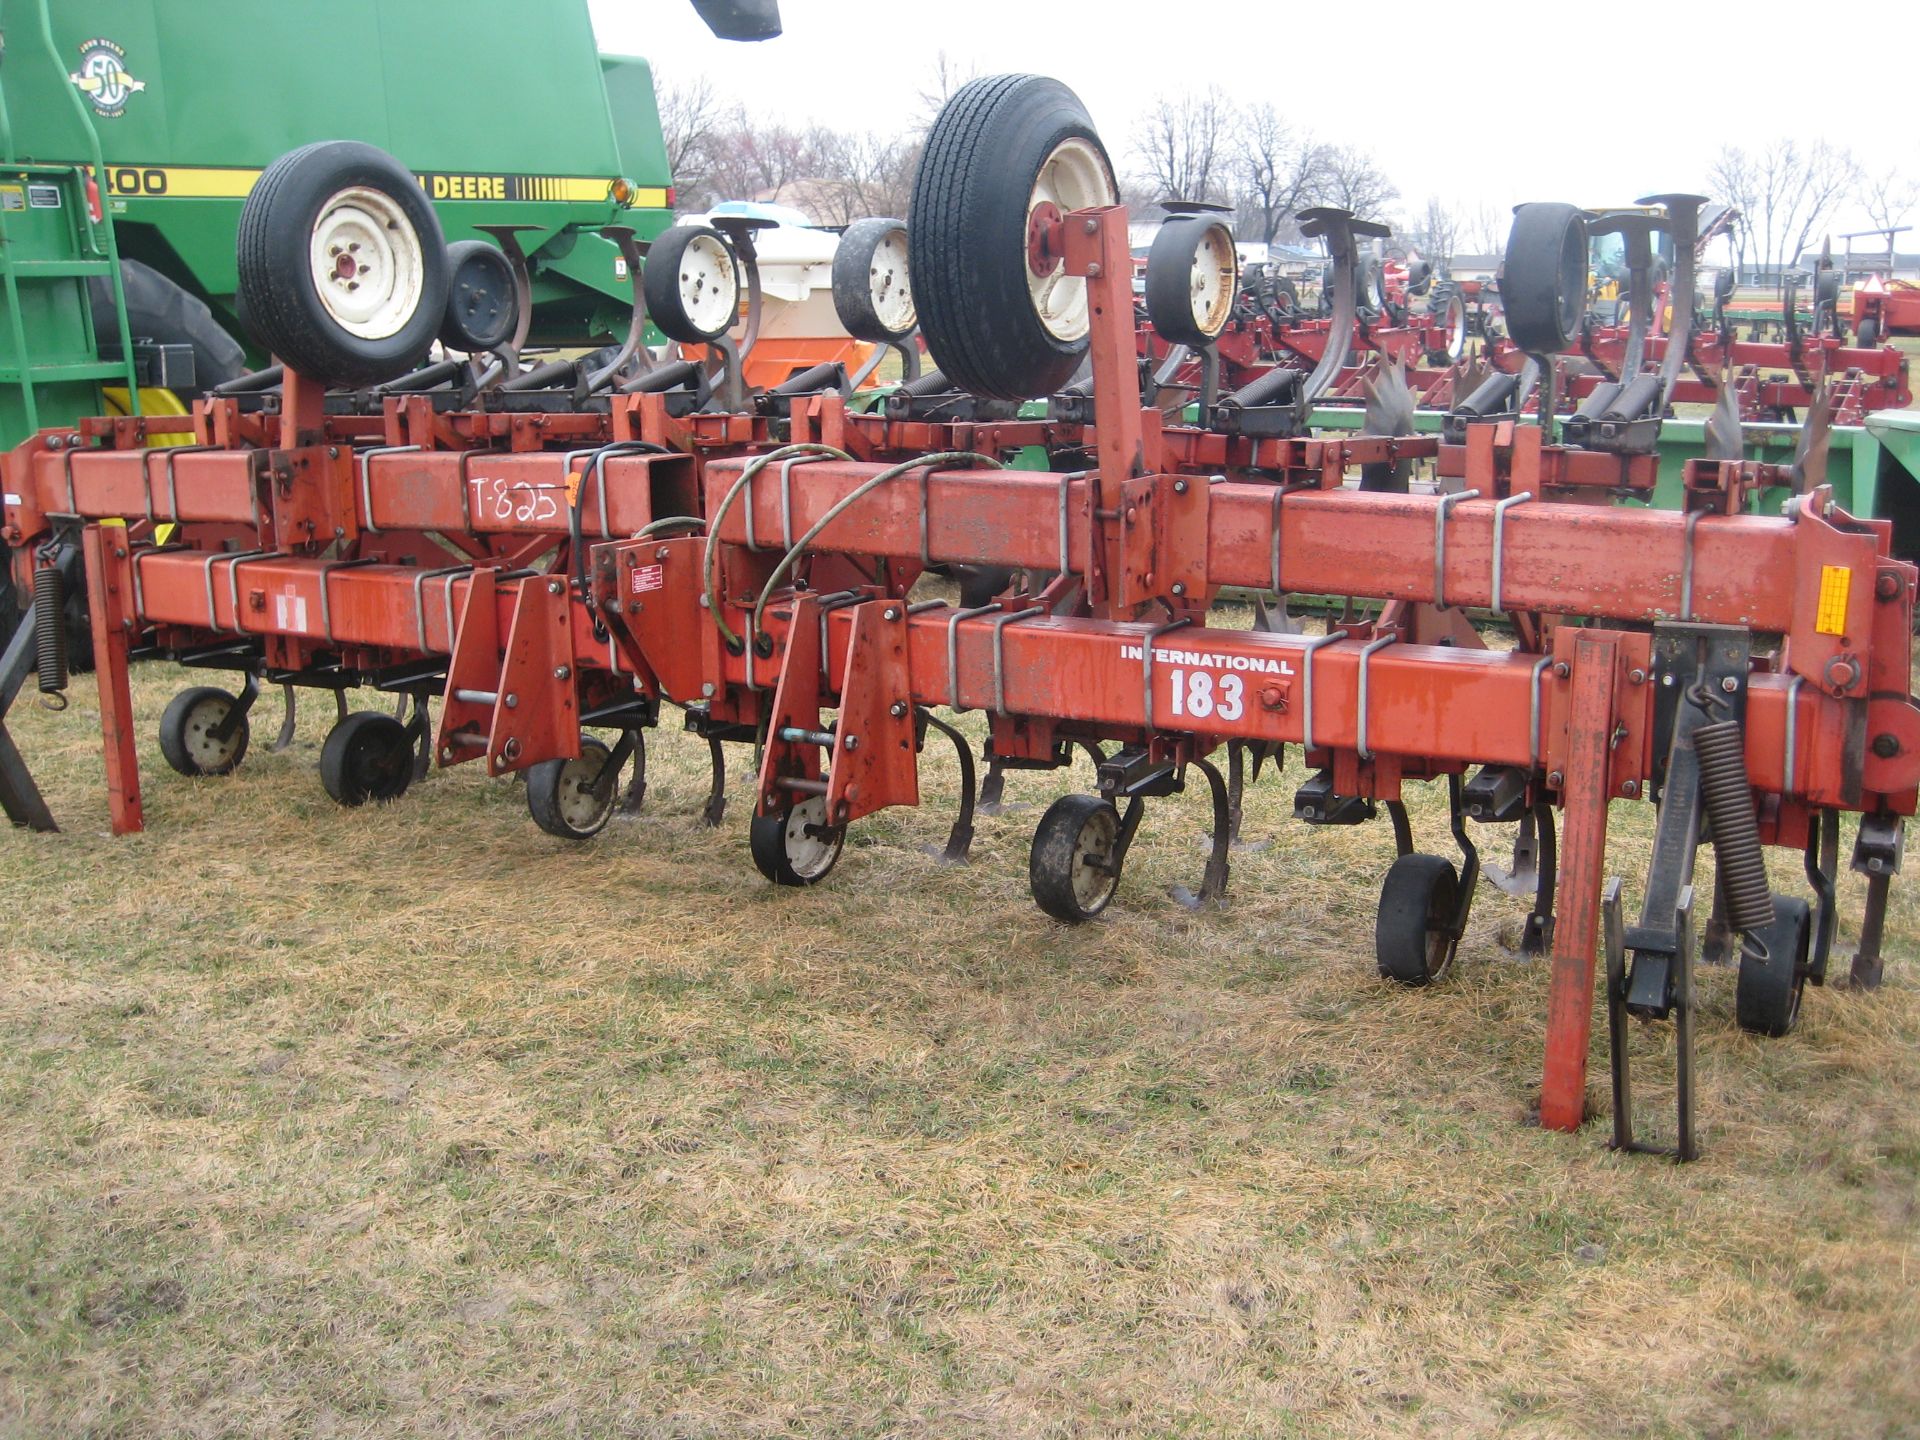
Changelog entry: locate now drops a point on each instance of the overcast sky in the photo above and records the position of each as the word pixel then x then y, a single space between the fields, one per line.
pixel 1476 103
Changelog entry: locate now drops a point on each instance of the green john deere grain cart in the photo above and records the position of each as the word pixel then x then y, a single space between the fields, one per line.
pixel 160 113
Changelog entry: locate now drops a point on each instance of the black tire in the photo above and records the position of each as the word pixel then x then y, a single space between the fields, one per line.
pixel 368 756
pixel 692 303
pixel 1181 307
pixel 872 294
pixel 281 300
pixel 162 312
pixel 186 733
pixel 573 799
pixel 1766 993
pixel 1073 840
pixel 1867 334
pixel 1286 294
pixel 482 297
pixel 795 846
pixel 1453 318
pixel 967 233
pixel 1417 903
pixel 11 612
pixel 1543 281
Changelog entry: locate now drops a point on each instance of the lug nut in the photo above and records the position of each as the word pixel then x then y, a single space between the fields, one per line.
pixel 1729 683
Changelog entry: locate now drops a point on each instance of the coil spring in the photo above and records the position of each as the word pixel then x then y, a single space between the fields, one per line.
pixel 1738 860
pixel 50 629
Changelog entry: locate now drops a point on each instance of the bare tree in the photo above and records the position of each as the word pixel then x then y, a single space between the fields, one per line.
pixel 1889 198
pixel 1352 181
pixel 1484 230
pixel 689 113
pixel 1182 145
pixel 1275 171
pixel 1435 231
pixel 1786 195
pixel 944 76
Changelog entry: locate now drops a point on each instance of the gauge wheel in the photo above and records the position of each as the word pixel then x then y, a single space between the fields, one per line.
pixel 1543 281
pixel 191 735
pixel 368 756
pixel 871 292
pixel 1412 934
pixel 1767 990
pixel 343 269
pixel 691 280
pixel 1071 865
pixel 1193 279
pixel 483 302
pixel 1867 334
pixel 796 846
pixel 1007 155
pixel 574 798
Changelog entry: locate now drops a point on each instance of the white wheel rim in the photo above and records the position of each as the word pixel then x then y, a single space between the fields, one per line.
pixel 1073 177
pixel 1456 328
pixel 811 856
pixel 1092 880
pixel 709 284
pixel 368 266
pixel 1215 280
pixel 887 285
pixel 580 806
pixel 207 750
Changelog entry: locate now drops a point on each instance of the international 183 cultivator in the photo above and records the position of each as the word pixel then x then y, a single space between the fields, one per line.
pixel 565 547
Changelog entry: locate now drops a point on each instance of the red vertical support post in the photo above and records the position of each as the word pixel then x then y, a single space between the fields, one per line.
pixel 110 598
pixel 1585 791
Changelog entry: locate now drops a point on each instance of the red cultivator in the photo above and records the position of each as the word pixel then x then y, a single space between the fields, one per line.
pixel 755 563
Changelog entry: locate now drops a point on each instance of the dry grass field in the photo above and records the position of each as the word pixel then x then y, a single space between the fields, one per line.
pixel 414 1121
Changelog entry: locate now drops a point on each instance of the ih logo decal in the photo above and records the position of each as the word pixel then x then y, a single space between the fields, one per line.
pixel 103 78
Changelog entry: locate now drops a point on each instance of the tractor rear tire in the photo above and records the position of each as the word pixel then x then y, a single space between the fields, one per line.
pixel 343 267
pixel 1002 146
pixel 162 312
pixel 1543 282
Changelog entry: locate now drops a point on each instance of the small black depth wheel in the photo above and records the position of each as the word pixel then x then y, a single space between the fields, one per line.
pixel 1867 335
pixel 483 303
pixel 1071 865
pixel 797 846
pixel 1193 279
pixel 368 756
pixel 1766 996
pixel 1411 939
pixel 1543 281
pixel 191 732
pixel 574 799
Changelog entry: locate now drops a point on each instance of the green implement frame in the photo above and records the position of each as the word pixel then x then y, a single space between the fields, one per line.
pixel 52 241
pixel 505 109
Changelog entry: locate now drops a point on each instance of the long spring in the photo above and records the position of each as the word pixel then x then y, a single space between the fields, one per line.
pixel 1738 860
pixel 50 631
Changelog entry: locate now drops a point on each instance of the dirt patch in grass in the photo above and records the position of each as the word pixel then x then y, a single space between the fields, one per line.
pixel 416 1121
